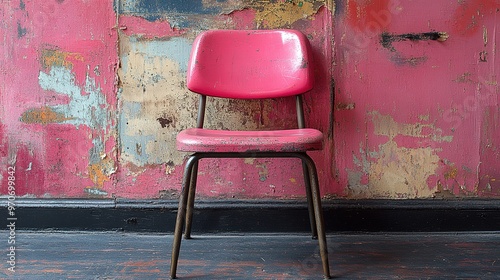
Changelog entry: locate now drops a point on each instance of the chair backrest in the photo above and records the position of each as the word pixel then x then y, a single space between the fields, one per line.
pixel 250 64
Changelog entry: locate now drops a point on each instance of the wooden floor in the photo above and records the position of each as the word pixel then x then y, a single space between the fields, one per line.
pixel 114 255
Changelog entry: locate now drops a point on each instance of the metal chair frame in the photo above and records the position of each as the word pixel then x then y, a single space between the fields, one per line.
pixel 187 199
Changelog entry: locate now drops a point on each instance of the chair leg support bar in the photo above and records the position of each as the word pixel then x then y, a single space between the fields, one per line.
pixel 186 202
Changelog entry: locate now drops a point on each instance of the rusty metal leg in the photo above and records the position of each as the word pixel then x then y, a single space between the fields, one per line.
pixel 320 225
pixel 310 207
pixel 181 212
pixel 190 201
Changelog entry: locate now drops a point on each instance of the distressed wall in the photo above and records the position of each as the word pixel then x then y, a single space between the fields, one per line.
pixel 58 94
pixel 93 95
pixel 417 110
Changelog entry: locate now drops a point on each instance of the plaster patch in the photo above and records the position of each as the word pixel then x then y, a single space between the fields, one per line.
pixel 402 172
pixel 176 49
pixel 386 125
pixel 275 14
pixel 393 171
pixel 153 88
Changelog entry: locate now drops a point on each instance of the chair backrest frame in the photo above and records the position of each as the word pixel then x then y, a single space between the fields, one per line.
pixel 202 103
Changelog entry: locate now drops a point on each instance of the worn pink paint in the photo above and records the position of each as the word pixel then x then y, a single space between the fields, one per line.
pixel 52 158
pixel 422 78
pixel 448 87
pixel 137 26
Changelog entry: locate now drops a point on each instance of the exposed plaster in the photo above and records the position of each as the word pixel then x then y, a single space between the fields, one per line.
pixel 400 172
pixel 396 171
pixel 153 89
pixel 387 126
pixel 275 14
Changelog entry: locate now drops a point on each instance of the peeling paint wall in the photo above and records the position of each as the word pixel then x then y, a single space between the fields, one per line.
pixel 93 95
pixel 424 84
pixel 155 103
pixel 58 91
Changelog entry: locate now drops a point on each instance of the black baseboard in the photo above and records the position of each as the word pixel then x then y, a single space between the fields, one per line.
pixel 250 216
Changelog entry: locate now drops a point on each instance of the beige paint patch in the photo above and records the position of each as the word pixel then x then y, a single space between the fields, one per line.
pixel 386 125
pixel 43 115
pixel 399 166
pixel 275 14
pixel 249 160
pixel 393 171
pixel 485 36
pixel 424 117
pixel 227 6
pixel 402 172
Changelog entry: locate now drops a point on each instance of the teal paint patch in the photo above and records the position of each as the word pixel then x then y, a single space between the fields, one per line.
pixel 95 191
pixel 85 107
pixel 96 150
pixel 124 64
pixel 131 109
pixel 177 49
pixel 133 147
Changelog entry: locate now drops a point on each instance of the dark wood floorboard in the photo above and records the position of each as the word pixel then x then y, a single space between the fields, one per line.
pixel 114 255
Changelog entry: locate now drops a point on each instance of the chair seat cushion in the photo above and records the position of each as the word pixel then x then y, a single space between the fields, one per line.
pixel 291 140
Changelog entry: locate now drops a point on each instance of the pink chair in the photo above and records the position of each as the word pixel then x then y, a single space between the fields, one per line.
pixel 249 64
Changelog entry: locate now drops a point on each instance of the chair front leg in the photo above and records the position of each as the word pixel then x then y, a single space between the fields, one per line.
pixel 190 201
pixel 310 207
pixel 181 213
pixel 318 212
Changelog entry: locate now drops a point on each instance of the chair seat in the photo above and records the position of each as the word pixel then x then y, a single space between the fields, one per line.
pixel 291 140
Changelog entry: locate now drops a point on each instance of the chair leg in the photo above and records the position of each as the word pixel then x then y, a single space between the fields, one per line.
pixel 320 225
pixel 190 201
pixel 181 213
pixel 310 207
